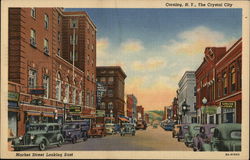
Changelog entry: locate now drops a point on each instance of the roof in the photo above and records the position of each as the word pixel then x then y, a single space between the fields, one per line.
pixel 110 68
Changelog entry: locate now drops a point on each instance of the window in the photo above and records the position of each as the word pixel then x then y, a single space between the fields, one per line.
pixel 88 43
pixel 58 52
pixel 33 12
pixel 32 78
pixel 46 46
pixel 225 83
pixel 67 92
pixel 110 80
pixel 93 77
pixel 195 91
pixel 80 98
pixel 92 100
pixel 219 87
pixel 88 59
pixel 72 39
pixel 33 37
pixel 46 86
pixel 110 93
pixel 74 23
pixel 92 62
pixel 88 77
pixel 46 21
pixel 75 56
pixel 102 105
pixel 58 87
pixel 92 48
pixel 74 96
pixel 103 80
pixel 233 79
pixel 87 99
pixel 59 36
pixel 239 77
pixel 58 19
pixel 110 105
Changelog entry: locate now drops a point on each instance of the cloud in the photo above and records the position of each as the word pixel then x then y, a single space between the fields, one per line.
pixel 102 46
pixel 131 46
pixel 149 65
pixel 195 40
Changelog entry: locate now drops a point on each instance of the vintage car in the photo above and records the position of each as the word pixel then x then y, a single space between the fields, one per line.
pixel 75 130
pixel 40 135
pixel 204 136
pixel 127 128
pixel 97 131
pixel 182 131
pixel 155 125
pixel 176 130
pixel 110 128
pixel 192 132
pixel 117 128
pixel 169 126
pixel 226 137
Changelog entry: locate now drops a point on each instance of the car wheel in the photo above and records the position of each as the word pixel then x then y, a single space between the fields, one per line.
pixel 42 146
pixel 60 142
pixel 73 140
pixel 199 147
pixel 178 139
pixel 85 137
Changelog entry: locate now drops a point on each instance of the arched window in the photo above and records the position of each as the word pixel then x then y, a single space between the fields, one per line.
pixel 102 105
pixel 58 86
pixel 110 105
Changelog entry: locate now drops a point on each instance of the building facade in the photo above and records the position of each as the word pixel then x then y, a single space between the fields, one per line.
pixel 44 82
pixel 113 78
pixel 187 95
pixel 140 113
pixel 218 81
pixel 132 107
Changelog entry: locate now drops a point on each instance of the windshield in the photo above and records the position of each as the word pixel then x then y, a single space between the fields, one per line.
pixel 235 135
pixel 69 126
pixel 37 128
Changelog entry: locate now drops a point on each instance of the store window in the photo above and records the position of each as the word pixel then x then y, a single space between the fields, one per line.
pixel 32 78
pixel 46 86
pixel 46 21
pixel 58 87
pixel 233 79
pixel 110 105
pixel 225 83
pixel 33 37
pixel 33 12
pixel 46 46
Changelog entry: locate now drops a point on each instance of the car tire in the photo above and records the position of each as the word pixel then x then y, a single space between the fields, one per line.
pixel 60 142
pixel 73 140
pixel 178 139
pixel 42 146
pixel 199 147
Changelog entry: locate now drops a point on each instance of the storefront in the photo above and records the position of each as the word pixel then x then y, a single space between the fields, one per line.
pixel 209 114
pixel 228 111
pixel 13 113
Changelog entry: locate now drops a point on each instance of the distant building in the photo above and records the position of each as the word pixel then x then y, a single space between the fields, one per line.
pixel 112 78
pixel 147 118
pixel 140 113
pixel 131 106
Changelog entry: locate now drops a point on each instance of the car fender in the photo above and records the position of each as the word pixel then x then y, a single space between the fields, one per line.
pixel 59 136
pixel 40 139
pixel 206 147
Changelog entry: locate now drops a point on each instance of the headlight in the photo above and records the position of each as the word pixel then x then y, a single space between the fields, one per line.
pixel 69 133
pixel 32 137
pixel 20 138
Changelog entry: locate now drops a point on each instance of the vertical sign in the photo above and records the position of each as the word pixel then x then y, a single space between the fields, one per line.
pixel 100 90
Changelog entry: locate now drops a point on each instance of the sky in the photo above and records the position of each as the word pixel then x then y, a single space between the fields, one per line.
pixel 155 47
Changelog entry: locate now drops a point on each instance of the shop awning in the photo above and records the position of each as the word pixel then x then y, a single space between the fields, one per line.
pixel 123 119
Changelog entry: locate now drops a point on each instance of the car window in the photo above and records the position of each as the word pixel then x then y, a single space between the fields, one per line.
pixel 50 128
pixel 56 127
pixel 235 134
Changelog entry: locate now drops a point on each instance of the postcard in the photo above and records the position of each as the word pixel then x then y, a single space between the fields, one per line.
pixel 145 79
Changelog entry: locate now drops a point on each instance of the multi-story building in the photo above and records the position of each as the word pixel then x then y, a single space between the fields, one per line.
pixel 140 113
pixel 131 107
pixel 186 94
pixel 46 83
pixel 112 78
pixel 218 81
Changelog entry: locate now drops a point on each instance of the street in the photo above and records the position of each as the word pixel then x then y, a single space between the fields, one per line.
pixel 144 140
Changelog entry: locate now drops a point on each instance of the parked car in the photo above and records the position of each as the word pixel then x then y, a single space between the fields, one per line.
pixel 97 130
pixel 183 130
pixel 155 125
pixel 75 130
pixel 110 128
pixel 176 130
pixel 117 128
pixel 204 136
pixel 226 137
pixel 192 132
pixel 169 126
pixel 40 135
pixel 127 128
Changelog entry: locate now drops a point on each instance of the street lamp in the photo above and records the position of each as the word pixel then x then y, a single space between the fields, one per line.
pixel 64 109
pixel 180 117
pixel 204 101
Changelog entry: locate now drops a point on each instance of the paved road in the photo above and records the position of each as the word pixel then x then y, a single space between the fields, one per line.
pixel 144 140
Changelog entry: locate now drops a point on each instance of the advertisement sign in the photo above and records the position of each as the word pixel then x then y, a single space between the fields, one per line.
pixel 75 109
pixel 228 104
pixel 209 109
pixel 100 113
pixel 100 91
pixel 13 96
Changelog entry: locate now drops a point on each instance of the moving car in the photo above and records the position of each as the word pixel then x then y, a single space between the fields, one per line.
pixel 97 130
pixel 127 128
pixel 176 130
pixel 193 131
pixel 226 137
pixel 40 135
pixel 169 126
pixel 204 136
pixel 75 130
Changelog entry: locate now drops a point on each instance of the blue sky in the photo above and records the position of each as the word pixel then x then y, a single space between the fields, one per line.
pixel 156 46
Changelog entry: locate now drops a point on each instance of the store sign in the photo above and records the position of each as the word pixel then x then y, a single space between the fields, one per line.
pixel 209 109
pixel 226 104
pixel 75 109
pixel 37 91
pixel 100 113
pixel 100 91
pixel 13 96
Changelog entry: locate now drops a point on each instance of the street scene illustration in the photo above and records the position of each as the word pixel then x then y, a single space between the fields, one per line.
pixel 119 79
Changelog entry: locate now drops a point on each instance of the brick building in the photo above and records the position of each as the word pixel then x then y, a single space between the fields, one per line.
pixel 218 79
pixel 132 107
pixel 41 79
pixel 140 113
pixel 112 78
